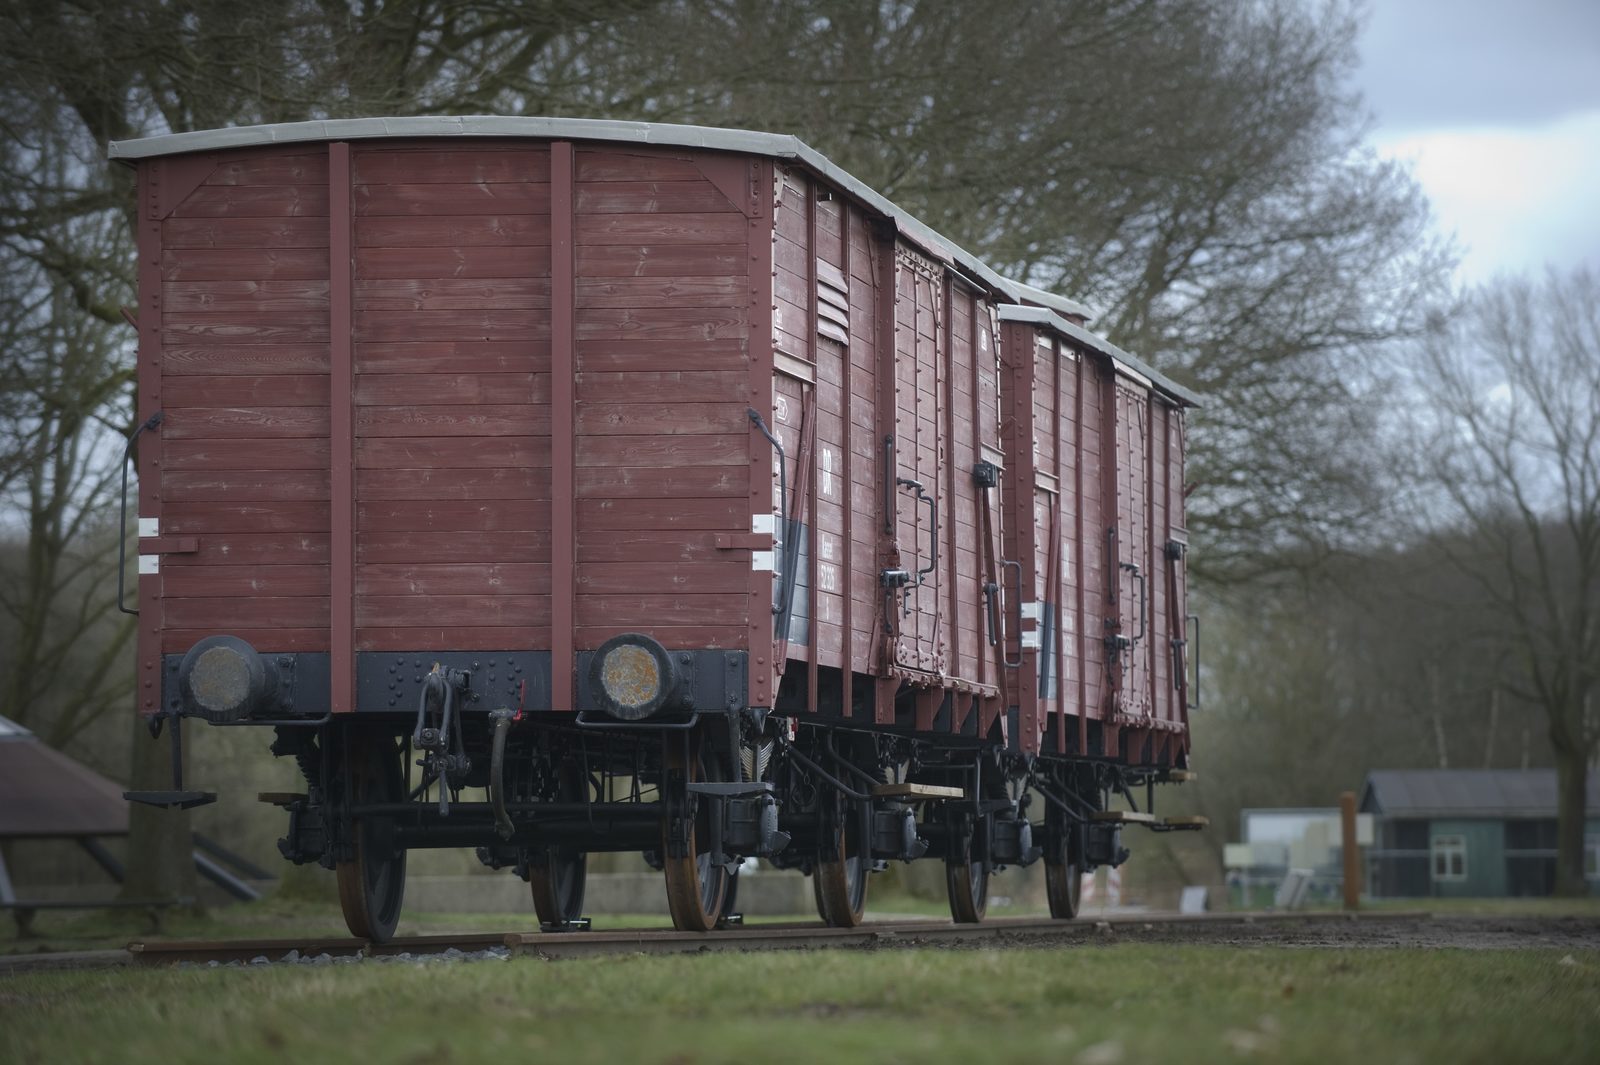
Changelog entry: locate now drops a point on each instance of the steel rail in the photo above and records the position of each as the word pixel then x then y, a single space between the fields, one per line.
pixel 778 936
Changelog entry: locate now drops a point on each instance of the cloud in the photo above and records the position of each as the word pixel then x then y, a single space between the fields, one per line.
pixel 1516 198
pixel 1463 63
pixel 1458 63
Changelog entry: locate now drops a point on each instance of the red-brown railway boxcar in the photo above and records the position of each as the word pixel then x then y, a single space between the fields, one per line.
pixel 668 485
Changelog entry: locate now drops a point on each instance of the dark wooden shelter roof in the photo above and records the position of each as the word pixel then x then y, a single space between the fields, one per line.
pixel 44 794
pixel 1479 793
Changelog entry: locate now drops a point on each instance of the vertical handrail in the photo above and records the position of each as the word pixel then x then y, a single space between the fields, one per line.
pixel 1138 575
pixel 1005 659
pixel 1196 704
pixel 780 606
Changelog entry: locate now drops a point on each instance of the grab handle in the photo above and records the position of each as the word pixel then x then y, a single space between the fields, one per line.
pixel 1195 619
pixel 1133 569
pixel 1007 563
pixel 933 524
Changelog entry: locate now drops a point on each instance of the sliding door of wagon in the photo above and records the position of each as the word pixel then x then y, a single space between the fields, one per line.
pixel 1132 559
pixel 452 391
pixel 917 461
pixel 1170 622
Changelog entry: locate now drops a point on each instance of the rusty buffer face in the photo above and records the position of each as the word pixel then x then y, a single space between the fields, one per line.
pixel 630 676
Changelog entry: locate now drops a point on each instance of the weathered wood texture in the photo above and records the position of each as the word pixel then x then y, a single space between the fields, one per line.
pixel 243 378
pixel 452 391
pixel 699 286
pixel 661 439
pixel 1101 496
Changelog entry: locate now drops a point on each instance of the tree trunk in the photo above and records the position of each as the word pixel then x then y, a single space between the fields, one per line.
pixel 160 844
pixel 1494 721
pixel 1440 742
pixel 1572 786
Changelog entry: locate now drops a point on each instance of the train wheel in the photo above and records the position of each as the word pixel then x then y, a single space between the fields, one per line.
pixel 839 881
pixel 696 887
pixel 372 885
pixel 967 882
pixel 1063 875
pixel 557 880
pixel 557 874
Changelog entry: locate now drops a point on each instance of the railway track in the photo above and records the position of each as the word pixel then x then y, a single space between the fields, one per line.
pixel 797 936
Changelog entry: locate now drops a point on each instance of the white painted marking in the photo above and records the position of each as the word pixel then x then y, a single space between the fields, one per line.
pixel 782 407
pixel 827 472
pixel 1030 640
pixel 149 526
pixel 1029 611
pixel 827 577
pixel 825 547
pixel 764 561
pixel 764 523
pixel 149 564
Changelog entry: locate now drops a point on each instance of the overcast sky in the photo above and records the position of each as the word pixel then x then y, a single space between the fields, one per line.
pixel 1496 104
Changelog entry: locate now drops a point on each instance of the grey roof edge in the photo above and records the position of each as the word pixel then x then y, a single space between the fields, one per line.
pixel 1054 301
pixel 754 142
pixel 1095 342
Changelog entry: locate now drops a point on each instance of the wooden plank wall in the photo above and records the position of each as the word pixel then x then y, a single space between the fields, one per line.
pixel 662 356
pixel 921 396
pixel 244 354
pixel 970 420
pixel 451 307
pixel 1096 567
pixel 1175 574
pixel 452 396
pixel 1159 633
pixel 828 257
pixel 1081 432
pixel 827 287
pixel 1133 541
pixel 1060 535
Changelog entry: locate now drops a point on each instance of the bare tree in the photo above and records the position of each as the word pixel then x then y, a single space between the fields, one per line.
pixel 74 75
pixel 1188 167
pixel 64 359
pixel 1192 171
pixel 1512 461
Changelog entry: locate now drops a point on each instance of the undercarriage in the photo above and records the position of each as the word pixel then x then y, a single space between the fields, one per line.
pixel 695 797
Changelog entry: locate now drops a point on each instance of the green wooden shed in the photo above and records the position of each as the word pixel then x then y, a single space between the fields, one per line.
pixel 1469 833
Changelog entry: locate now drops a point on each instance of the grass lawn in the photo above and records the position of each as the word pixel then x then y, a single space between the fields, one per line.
pixel 286 919
pixel 1095 1005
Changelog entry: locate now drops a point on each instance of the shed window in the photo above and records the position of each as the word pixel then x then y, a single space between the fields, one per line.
pixel 1449 857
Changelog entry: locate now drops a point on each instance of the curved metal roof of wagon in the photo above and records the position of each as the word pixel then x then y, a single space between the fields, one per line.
pixel 750 142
